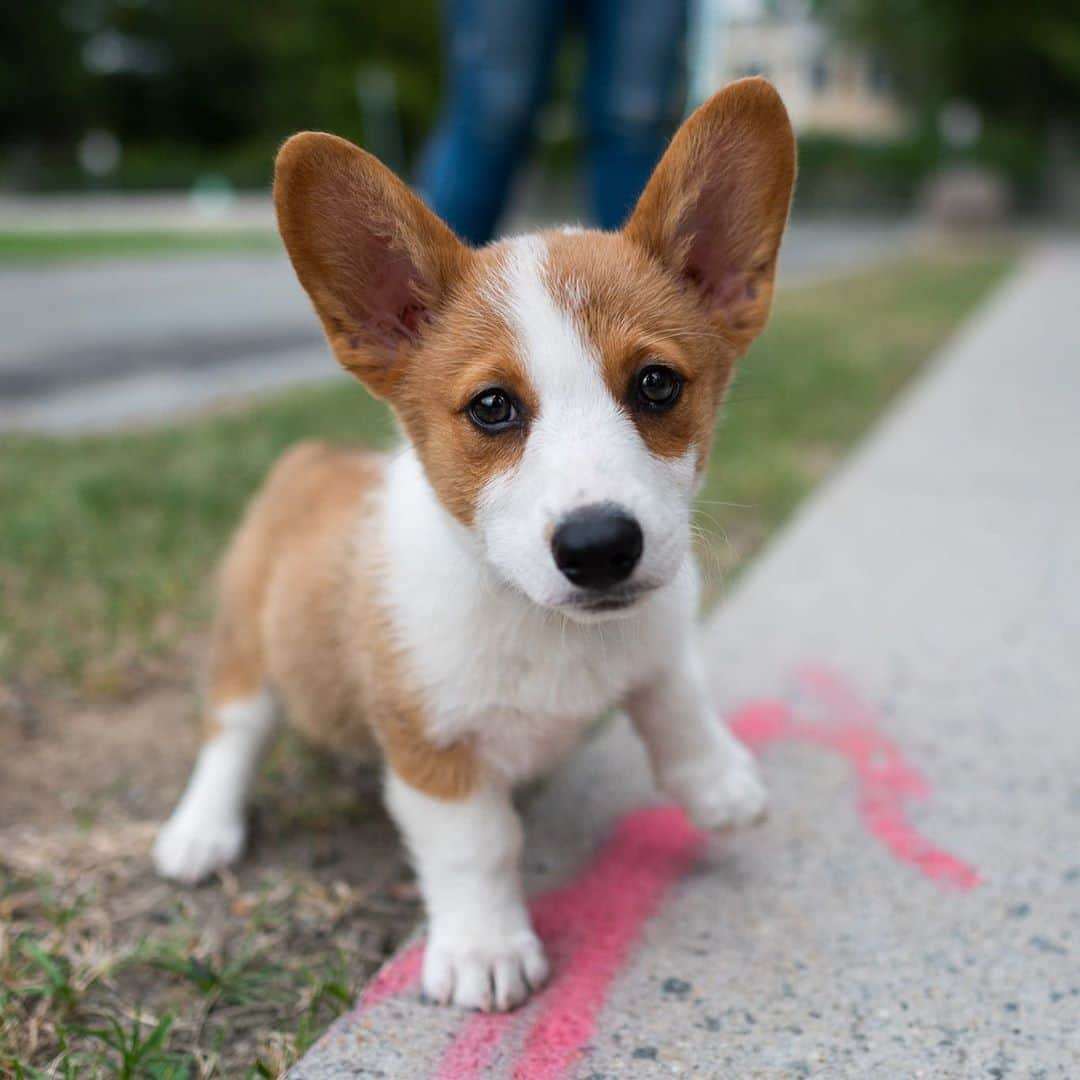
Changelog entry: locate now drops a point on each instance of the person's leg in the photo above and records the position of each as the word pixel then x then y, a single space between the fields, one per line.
pixel 635 70
pixel 498 62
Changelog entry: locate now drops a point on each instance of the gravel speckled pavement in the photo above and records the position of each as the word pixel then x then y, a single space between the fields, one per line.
pixel 906 659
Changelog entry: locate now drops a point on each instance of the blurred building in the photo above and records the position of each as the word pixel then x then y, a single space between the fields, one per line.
pixel 830 87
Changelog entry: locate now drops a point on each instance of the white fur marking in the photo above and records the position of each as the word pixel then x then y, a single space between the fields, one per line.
pixel 582 448
pixel 207 828
pixel 481 952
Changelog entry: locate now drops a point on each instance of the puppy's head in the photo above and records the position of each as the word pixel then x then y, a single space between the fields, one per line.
pixel 561 388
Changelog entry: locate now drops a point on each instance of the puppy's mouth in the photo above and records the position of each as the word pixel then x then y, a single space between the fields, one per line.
pixel 608 601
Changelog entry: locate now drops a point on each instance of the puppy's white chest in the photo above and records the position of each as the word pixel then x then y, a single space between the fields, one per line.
pixel 525 694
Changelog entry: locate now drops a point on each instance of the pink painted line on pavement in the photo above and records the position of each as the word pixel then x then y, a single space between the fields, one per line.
pixel 394 978
pixel 589 928
pixel 591 925
pixel 886 780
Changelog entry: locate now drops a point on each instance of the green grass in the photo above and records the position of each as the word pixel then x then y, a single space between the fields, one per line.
pixel 17 246
pixel 73 1001
pixel 106 543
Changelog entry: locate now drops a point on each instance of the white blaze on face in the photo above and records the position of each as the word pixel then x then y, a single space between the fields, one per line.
pixel 582 449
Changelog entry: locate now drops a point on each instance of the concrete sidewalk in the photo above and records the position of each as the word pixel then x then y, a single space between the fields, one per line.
pixel 906 658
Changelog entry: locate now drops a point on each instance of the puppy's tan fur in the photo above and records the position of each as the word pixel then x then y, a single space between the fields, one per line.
pixel 299 606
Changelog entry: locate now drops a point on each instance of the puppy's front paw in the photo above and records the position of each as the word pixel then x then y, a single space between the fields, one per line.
pixel 721 793
pixel 483 970
pixel 191 846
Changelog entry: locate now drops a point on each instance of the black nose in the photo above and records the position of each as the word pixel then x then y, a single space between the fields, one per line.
pixel 597 546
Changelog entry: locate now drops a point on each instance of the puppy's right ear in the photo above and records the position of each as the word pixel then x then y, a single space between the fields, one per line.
pixel 375 261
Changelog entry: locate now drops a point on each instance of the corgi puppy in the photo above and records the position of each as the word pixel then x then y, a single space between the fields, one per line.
pixel 466 605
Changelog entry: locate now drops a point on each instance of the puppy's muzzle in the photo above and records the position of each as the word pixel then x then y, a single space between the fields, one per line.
pixel 597 546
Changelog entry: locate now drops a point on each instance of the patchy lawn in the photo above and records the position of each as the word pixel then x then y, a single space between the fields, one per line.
pixel 106 545
pixel 107 971
pixel 21 246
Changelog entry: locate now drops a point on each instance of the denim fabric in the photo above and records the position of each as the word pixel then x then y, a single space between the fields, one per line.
pixel 500 55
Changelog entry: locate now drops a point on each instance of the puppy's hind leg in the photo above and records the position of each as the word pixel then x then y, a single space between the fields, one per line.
pixel 207 829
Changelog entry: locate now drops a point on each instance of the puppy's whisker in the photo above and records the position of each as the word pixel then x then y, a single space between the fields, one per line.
pixel 711 519
pixel 721 502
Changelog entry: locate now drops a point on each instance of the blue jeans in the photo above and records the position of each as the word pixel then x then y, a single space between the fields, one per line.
pixel 500 55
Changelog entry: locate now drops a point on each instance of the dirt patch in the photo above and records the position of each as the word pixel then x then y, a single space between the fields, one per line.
pixel 101 963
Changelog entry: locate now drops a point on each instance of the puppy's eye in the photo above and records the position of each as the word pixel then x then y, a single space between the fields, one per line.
pixel 658 387
pixel 494 410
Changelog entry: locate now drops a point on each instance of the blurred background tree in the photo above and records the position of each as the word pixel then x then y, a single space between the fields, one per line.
pixel 1018 63
pixel 143 94
pixel 992 85
pixel 187 85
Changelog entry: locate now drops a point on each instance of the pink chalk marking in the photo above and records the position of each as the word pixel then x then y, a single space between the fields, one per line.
pixel 591 925
pixel 589 928
pixel 886 780
pixel 396 977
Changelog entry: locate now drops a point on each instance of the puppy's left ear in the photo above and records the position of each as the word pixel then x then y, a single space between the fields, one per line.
pixel 715 209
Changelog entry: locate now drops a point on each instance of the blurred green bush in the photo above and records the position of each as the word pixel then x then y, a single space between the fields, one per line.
pixel 842 173
pixel 196 86
pixel 205 91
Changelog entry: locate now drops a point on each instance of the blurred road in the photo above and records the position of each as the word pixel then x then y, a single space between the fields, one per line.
pixel 98 344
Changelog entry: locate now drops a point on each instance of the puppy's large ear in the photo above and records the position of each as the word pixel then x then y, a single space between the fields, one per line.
pixel 716 206
pixel 375 261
